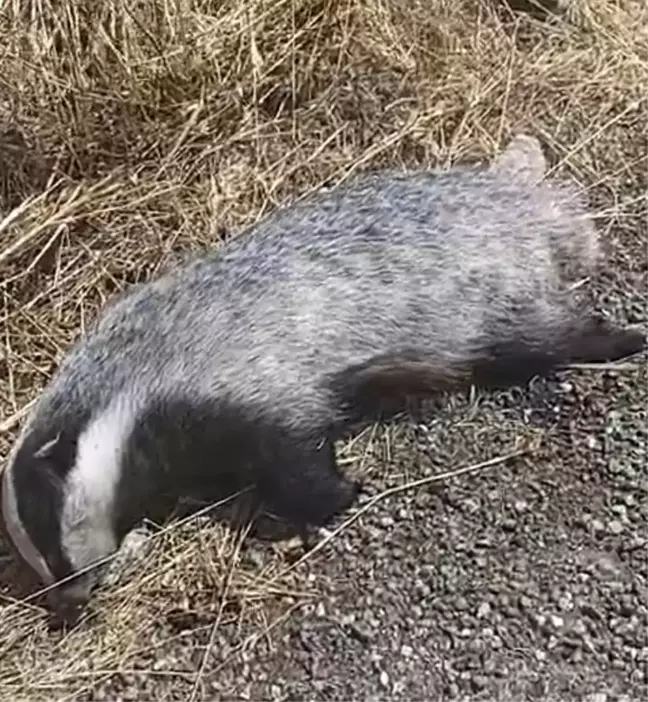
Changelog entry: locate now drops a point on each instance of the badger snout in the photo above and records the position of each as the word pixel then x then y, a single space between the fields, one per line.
pixel 68 601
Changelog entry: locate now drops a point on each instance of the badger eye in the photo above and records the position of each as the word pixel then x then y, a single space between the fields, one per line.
pixel 60 570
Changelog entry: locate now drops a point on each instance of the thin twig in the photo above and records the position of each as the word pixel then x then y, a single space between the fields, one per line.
pixel 475 468
pixel 622 367
pixel 11 421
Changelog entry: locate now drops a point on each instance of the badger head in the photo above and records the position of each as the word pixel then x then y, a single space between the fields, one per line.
pixel 58 493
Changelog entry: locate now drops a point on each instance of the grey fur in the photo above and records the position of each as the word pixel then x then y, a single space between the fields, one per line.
pixel 416 278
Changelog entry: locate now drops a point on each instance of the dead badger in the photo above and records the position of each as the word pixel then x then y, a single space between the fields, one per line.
pixel 240 367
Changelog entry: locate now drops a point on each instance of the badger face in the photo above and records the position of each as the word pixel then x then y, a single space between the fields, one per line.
pixel 32 494
pixel 57 505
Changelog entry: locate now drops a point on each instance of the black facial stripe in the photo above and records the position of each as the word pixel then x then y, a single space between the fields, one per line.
pixel 38 484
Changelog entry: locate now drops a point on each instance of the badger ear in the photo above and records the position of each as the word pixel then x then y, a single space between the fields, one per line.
pixel 48 449
pixel 522 160
pixel 47 458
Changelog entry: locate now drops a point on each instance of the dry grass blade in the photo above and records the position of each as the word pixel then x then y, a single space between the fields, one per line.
pixel 212 635
pixel 14 419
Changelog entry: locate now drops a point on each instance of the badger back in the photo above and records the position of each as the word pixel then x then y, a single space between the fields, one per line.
pixel 423 258
pixel 393 260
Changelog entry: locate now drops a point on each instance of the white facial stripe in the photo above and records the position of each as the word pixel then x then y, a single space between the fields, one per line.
pixel 17 532
pixel 86 522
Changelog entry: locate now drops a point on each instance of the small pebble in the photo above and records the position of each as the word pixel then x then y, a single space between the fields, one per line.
pixel 483 611
pixel 597 526
pixel 478 682
pixel 556 621
pixel 615 527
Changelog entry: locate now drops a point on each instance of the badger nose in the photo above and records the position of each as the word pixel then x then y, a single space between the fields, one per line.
pixel 68 603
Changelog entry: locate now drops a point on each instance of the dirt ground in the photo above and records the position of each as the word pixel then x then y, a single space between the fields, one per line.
pixel 133 132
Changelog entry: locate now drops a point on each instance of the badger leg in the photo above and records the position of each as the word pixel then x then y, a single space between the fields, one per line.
pixel 381 386
pixel 600 341
pixel 305 486
pixel 512 363
pixel 516 362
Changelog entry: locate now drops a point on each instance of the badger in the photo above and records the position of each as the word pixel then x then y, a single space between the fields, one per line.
pixel 239 368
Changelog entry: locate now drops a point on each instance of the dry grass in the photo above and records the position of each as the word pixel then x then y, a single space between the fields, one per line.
pixel 131 132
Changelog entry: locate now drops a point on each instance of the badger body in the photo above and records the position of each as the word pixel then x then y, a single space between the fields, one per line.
pixel 241 367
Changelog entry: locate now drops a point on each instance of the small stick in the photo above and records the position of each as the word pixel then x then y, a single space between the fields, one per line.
pixel 10 422
pixel 475 468
pixel 624 367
